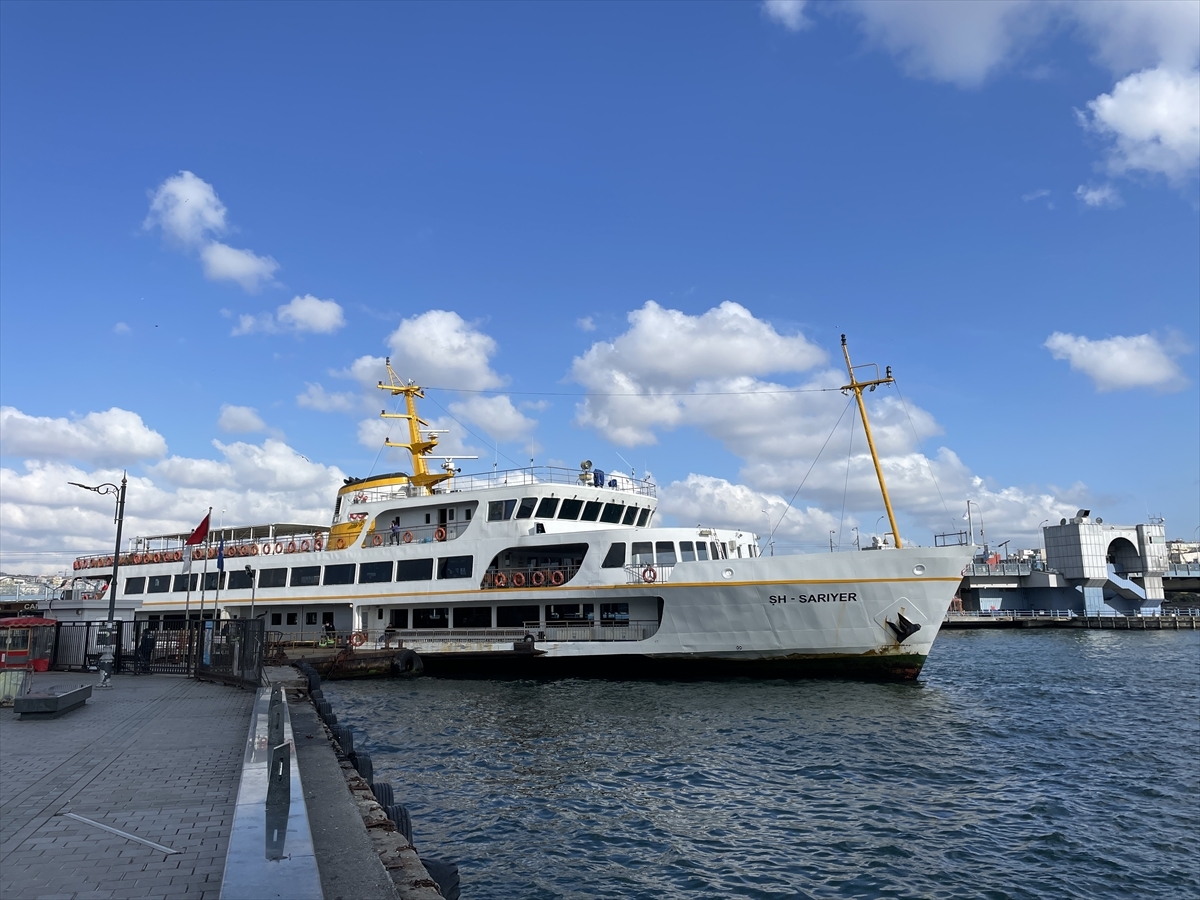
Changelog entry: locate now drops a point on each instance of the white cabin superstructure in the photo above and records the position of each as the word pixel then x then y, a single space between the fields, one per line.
pixel 548 570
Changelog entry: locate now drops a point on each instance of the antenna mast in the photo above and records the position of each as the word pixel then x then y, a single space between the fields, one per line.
pixel 857 386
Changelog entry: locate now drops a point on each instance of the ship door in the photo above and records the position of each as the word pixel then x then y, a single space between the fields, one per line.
pixel 442 517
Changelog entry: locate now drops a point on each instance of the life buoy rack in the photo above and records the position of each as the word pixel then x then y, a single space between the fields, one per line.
pixel 377 540
pixel 557 578
pixel 538 579
pixel 440 534
pixel 358 639
pixel 341 543
pixel 649 575
pixel 518 579
pixel 499 580
pixel 408 537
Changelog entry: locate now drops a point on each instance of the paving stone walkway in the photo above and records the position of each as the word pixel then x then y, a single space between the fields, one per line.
pixel 158 756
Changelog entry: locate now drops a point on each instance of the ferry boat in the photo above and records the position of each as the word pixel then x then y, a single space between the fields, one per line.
pixel 548 571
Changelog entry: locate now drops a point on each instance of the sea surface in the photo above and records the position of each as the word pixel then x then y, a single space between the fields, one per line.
pixel 1022 764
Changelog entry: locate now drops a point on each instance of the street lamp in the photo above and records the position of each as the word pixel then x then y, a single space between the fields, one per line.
pixel 106 652
pixel 253 589
pixel 971 522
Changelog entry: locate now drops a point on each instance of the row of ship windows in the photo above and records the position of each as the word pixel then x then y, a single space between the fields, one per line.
pixel 554 508
pixel 481 616
pixel 649 553
pixel 305 576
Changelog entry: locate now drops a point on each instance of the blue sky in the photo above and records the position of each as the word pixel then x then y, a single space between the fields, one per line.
pixel 546 200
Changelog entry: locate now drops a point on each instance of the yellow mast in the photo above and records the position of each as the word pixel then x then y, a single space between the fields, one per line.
pixel 418 448
pixel 857 386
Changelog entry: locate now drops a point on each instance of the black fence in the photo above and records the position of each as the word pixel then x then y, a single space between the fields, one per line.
pixel 228 651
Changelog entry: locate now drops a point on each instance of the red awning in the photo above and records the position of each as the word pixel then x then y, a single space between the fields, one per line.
pixel 26 622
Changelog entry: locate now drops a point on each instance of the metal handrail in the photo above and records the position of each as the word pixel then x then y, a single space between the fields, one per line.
pixel 528 579
pixel 640 573
pixel 1069 614
pixel 506 478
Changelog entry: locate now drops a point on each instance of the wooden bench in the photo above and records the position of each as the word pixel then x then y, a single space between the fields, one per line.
pixel 51 706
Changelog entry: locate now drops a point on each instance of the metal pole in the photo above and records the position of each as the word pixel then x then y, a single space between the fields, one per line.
pixel 112 593
pixel 970 523
pixel 857 386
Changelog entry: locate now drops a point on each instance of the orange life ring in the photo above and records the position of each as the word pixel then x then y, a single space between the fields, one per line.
pixel 291 547
pixel 358 639
pixel 649 575
pixel 440 534
pixel 305 546
pixel 107 561
pixel 377 540
pixel 254 549
pixel 518 579
pixel 212 552
pixel 557 578
pixel 266 549
pixel 538 579
pixel 341 543
pixel 317 544
pixel 77 564
pixel 176 555
pixel 279 547
pixel 196 554
pixel 137 559
pixel 500 581
pixel 408 537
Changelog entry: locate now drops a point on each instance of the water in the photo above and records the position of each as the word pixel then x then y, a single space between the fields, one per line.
pixel 1038 765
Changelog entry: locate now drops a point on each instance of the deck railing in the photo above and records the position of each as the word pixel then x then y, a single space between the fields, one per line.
pixel 614 481
pixel 647 573
pixel 527 577
pixel 394 638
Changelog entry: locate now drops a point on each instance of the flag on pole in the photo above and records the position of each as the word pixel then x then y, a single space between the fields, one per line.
pixel 200 533
pixel 221 556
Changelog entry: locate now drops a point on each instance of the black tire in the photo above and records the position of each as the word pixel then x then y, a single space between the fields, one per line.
pixel 399 814
pixel 366 768
pixel 384 794
pixel 317 696
pixel 528 639
pixel 445 874
pixel 409 663
pixel 331 721
pixel 345 739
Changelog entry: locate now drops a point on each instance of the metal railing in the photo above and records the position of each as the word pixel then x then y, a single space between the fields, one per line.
pixel 647 573
pixel 395 638
pixel 231 651
pixel 414 534
pixel 1070 614
pixel 1002 568
pixel 507 478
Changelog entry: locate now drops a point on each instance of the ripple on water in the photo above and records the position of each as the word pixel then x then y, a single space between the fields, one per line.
pixel 1022 765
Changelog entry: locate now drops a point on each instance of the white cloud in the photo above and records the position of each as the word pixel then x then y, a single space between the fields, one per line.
pixel 585 324
pixel 1035 195
pixel 186 208
pixel 1153 117
pixel 452 441
pixel 497 416
pixel 225 263
pixel 121 328
pixel 116 437
pixel 240 420
pixel 301 314
pixel 641 379
pixel 316 397
pixel 439 348
pixel 717 503
pixel 1104 195
pixel 1120 363
pixel 1135 34
pixel 308 313
pixel 957 42
pixel 788 13
pixel 188 211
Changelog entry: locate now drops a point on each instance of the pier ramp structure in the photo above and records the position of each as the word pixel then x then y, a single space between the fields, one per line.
pixel 1092 568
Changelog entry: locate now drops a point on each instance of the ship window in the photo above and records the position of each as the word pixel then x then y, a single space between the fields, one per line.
pixel 467 514
pixel 612 513
pixel 399 619
pixel 687 552
pixel 181 582
pixel 562 612
pixel 276 618
pixel 304 576
pixel 718 550
pixel 340 574
pixel 701 550
pixel 509 506
pixel 426 518
pixel 414 570
pixel 666 553
pixel 472 617
pixel 240 579
pixel 135 585
pixel 373 573
pixel 454 567
pixel 616 556
pixel 159 584
pixel 630 515
pixel 272 578
pixel 292 618
pixel 436 617
pixel 591 511
pixel 643 553
pixel 645 514
pixel 326 620
pixel 614 614
pixel 547 508
pixel 526 509
pixel 516 616
pixel 495 510
pixel 570 509
pixel 212 579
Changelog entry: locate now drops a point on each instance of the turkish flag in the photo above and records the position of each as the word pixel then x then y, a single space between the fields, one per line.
pixel 200 533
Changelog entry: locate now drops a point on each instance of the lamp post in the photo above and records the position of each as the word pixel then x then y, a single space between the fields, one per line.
pixel 253 589
pixel 106 652
pixel 857 539
pixel 970 522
